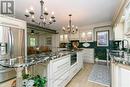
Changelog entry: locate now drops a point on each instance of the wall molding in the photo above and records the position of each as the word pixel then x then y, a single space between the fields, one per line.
pixel 119 12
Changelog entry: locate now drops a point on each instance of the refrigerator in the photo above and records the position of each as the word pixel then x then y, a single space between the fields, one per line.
pixel 12 46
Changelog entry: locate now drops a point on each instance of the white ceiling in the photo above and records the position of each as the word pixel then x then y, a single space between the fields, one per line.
pixel 84 12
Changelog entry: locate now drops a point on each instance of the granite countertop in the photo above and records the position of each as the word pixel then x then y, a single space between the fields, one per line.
pixel 35 59
pixel 119 57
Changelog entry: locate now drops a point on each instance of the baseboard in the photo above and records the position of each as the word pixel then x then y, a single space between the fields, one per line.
pixel 101 61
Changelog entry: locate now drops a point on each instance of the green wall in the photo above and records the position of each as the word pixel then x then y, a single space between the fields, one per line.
pixel 100 52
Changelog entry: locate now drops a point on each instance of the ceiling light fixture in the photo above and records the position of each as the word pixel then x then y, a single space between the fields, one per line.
pixel 43 17
pixel 71 29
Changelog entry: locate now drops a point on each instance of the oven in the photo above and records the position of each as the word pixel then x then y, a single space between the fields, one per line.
pixel 73 59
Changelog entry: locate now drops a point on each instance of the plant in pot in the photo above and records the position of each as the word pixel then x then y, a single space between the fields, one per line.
pixel 34 81
pixel 39 82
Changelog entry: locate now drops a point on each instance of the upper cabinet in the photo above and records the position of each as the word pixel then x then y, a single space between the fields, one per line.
pixel 86 36
pixel 74 36
pixel 118 31
pixel 64 38
pixel 127 20
pixel 82 36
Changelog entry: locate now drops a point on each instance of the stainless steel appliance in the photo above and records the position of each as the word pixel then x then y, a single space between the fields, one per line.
pixel 73 58
pixel 12 45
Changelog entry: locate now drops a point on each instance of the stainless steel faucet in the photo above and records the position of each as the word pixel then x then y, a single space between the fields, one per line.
pixel 127 45
pixel 127 55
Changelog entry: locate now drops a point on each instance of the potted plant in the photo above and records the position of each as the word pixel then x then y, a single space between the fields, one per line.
pixel 34 81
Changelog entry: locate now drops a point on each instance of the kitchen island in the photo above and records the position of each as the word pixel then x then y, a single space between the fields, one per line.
pixel 62 70
pixel 59 67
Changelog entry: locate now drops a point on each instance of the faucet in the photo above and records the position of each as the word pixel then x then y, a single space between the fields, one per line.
pixel 127 58
pixel 127 45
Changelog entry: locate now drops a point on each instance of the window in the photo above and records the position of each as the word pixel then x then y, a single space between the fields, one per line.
pixel 32 41
pixel 103 38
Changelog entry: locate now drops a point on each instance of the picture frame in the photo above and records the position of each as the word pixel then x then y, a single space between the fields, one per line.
pixel 102 38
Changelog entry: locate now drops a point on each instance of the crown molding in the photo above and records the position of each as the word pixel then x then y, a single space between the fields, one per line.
pixel 119 12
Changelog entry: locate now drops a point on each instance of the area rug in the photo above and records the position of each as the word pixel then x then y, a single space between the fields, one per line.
pixel 100 74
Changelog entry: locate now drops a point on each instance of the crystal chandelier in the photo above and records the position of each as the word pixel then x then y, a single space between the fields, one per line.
pixel 71 29
pixel 43 17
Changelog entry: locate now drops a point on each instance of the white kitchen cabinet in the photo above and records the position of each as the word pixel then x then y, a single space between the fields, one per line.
pixel 127 20
pixel 88 55
pixel 60 71
pixel 64 38
pixel 80 59
pixel 120 75
pixel 86 36
pixel 62 81
pixel 114 75
pixel 74 36
pixel 73 70
pixel 118 31
pixel 83 37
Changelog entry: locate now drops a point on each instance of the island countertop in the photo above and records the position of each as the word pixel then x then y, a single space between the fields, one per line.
pixel 35 59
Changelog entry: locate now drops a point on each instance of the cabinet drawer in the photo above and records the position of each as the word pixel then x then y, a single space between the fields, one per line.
pixel 61 71
pixel 62 81
pixel 60 67
pixel 61 64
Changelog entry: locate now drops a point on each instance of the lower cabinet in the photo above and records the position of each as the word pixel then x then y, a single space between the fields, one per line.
pixel 120 75
pixel 73 71
pixel 88 55
pixel 60 71
pixel 62 81
pixel 80 56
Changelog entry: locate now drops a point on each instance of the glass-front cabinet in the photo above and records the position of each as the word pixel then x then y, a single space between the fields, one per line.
pixel 127 20
pixel 86 36
pixel 64 38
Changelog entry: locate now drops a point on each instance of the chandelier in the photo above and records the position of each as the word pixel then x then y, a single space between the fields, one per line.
pixel 71 29
pixel 43 16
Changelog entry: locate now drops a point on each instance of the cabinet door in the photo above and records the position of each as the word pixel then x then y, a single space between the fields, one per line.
pixel 88 56
pixel 73 71
pixel 118 31
pixel 64 38
pixel 61 38
pixel 120 76
pixel 60 67
pixel 74 36
pixel 80 60
pixel 124 77
pixel 127 20
pixel 58 73
pixel 86 36
pixel 83 37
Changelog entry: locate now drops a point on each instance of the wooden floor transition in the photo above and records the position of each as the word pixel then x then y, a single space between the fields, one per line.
pixel 81 79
